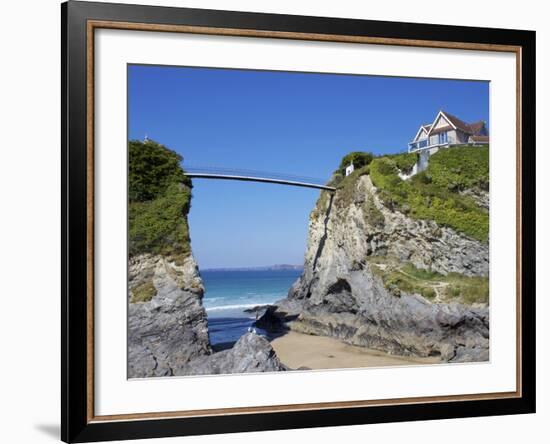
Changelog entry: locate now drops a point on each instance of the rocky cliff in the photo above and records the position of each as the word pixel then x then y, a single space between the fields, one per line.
pixel 167 322
pixel 169 329
pixel 377 277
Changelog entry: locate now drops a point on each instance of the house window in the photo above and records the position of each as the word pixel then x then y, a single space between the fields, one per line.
pixel 443 138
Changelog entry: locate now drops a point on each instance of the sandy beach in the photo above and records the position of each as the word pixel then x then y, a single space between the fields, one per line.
pixel 297 350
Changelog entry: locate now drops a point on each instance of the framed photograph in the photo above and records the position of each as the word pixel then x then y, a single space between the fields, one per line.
pixel 276 221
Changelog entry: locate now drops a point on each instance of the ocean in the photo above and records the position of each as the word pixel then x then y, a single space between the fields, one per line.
pixel 230 292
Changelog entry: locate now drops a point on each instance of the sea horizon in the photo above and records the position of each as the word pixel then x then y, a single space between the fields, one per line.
pixel 284 266
pixel 228 293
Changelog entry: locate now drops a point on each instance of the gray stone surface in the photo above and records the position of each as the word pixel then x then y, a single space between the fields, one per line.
pixel 252 353
pixel 171 329
pixel 168 336
pixel 338 295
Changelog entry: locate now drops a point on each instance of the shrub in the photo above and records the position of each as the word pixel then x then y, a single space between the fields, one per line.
pixel 159 201
pixel 384 166
pixel 460 168
pixel 160 226
pixel 405 161
pixel 428 293
pixel 151 169
pixel 358 158
pixel 434 193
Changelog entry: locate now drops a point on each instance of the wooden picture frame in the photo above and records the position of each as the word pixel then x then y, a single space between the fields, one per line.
pixel 79 22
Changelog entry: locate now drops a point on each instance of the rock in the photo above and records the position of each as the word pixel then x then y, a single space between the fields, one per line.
pixel 277 315
pixel 168 335
pixel 480 197
pixel 167 323
pixel 251 353
pixel 258 310
pixel 338 294
pixel 471 354
pixel 170 329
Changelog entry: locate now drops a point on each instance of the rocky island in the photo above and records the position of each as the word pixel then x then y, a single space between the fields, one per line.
pixel 398 266
pixel 167 322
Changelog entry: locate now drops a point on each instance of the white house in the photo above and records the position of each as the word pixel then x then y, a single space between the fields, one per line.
pixel 445 131
pixel 349 169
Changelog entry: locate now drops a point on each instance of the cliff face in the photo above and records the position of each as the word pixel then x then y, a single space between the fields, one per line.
pixel 366 270
pixel 167 323
pixel 170 329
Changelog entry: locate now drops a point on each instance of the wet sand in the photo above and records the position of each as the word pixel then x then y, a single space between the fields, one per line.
pixel 297 350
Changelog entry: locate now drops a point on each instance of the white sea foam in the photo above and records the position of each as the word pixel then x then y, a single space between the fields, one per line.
pixel 236 306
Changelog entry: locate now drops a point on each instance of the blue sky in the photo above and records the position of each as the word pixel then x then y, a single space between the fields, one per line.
pixel 296 123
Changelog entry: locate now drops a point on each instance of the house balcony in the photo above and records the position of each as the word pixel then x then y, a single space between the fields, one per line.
pixel 415 146
pixel 422 145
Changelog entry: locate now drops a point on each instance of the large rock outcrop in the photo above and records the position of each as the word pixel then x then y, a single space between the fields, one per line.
pixel 251 353
pixel 167 323
pixel 168 334
pixel 170 329
pixel 339 294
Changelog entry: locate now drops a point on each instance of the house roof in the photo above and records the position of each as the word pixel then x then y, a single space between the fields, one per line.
pixel 441 129
pixel 469 128
pixel 479 138
pixel 476 127
pixel 425 128
pixel 455 121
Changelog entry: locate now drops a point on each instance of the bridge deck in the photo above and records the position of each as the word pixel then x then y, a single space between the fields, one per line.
pixel 201 175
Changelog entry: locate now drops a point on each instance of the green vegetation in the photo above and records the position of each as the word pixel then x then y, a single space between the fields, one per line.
pixel 152 169
pixel 360 161
pixel 420 273
pixel 461 168
pixel 336 179
pixel 469 289
pixel 358 158
pixel 159 201
pixel 373 216
pixel 347 186
pixel 321 205
pixel 344 184
pixel 404 161
pixel 405 277
pixel 434 193
pixel 143 292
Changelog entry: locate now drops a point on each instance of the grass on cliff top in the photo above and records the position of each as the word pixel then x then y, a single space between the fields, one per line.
pixel 362 161
pixel 404 161
pixel 159 201
pixel 435 193
pixel 359 159
pixel 405 277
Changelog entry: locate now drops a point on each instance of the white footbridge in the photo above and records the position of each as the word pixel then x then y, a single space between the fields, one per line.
pixel 209 172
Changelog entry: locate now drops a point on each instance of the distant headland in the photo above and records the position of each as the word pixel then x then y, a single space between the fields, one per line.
pixel 276 267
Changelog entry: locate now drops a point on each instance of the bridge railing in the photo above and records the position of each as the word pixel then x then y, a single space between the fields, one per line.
pixel 195 169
